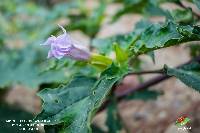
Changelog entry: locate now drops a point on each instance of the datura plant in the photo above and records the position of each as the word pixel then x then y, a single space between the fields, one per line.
pixel 78 101
pixel 73 106
pixel 76 82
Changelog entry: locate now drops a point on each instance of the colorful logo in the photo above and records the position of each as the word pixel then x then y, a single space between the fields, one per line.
pixel 181 121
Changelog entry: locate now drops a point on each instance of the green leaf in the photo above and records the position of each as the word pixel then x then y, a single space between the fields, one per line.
pixel 182 16
pixel 144 95
pixel 121 55
pixel 197 2
pixel 113 121
pixel 74 104
pixel 24 67
pixel 163 35
pixel 188 74
pixel 148 37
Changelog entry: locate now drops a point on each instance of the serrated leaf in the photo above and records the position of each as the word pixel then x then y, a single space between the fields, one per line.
pixel 163 35
pixel 188 74
pixel 24 67
pixel 74 104
pixel 148 37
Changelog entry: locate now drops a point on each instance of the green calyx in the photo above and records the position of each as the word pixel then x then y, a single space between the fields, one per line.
pixel 100 61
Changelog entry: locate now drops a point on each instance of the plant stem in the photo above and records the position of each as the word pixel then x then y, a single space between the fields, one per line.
pixel 145 85
pixel 146 72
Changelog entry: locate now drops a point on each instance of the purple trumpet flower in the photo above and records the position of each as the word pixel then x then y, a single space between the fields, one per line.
pixel 65 46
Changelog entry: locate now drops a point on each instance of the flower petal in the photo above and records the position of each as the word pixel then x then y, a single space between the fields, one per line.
pixel 50 54
pixel 63 41
pixel 78 54
pixel 49 41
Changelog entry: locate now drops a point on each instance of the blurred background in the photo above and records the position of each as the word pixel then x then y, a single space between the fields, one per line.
pixel 24 69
